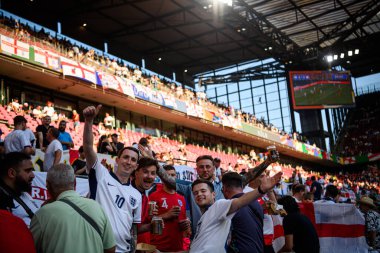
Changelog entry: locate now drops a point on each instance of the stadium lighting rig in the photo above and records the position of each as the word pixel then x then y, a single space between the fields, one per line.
pixel 334 57
pixel 216 3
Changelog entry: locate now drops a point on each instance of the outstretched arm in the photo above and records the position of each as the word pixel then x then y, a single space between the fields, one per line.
pixel 258 170
pixel 267 184
pixel 166 179
pixel 89 114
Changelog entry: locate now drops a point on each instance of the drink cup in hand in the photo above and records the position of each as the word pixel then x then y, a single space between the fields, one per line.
pixel 176 210
pixel 152 208
pixel 273 153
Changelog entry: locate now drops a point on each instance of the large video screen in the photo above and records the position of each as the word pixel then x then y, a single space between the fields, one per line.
pixel 321 89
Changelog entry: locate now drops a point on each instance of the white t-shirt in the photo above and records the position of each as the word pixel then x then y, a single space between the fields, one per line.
pixel 16 141
pixel 247 189
pixel 218 172
pixel 323 201
pixel 48 110
pixel 121 203
pixel 213 229
pixel 298 201
pixel 108 121
pixel 29 133
pixel 20 212
pixel 55 145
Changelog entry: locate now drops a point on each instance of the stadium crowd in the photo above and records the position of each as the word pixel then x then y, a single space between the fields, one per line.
pixel 221 211
pixel 102 62
pixel 230 207
pixel 362 135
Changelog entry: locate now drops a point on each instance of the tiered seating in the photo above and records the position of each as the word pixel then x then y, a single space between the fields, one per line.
pixel 92 58
pixel 361 136
pixel 160 145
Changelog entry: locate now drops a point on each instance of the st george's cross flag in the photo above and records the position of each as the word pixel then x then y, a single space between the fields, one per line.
pixel 340 227
pixel 79 70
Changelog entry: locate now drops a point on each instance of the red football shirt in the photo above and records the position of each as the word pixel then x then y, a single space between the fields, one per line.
pixel 172 236
pixel 145 219
pixel 15 236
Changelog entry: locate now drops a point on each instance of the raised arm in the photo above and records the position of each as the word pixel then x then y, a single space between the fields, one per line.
pixel 266 185
pixel 89 114
pixel 258 170
pixel 166 179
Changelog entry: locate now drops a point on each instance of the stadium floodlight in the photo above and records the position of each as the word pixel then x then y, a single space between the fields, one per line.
pixel 356 51
pixel 350 53
pixel 329 58
pixel 228 2
pixel 335 57
pixel 342 55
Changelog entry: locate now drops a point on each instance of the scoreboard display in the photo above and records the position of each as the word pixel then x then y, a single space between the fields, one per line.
pixel 321 89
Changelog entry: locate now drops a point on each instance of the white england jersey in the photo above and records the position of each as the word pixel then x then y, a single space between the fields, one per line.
pixel 20 212
pixel 213 229
pixel 16 141
pixel 121 203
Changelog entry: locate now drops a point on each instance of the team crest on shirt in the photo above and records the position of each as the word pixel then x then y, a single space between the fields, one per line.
pixel 180 203
pixel 132 201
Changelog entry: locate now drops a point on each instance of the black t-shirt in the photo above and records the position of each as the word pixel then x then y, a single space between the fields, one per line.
pixel 43 130
pixel 247 229
pixel 79 164
pixel 119 146
pixel 103 149
pixel 305 237
pixel 318 190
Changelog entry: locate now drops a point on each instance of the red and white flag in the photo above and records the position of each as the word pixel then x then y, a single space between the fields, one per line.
pixel 76 69
pixel 340 227
pixel 113 82
pixel 374 157
pixel 14 47
pixel 46 58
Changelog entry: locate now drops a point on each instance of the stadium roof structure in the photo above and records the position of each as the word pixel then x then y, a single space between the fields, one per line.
pixel 203 35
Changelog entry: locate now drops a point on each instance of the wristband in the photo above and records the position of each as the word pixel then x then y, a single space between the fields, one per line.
pixel 261 191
